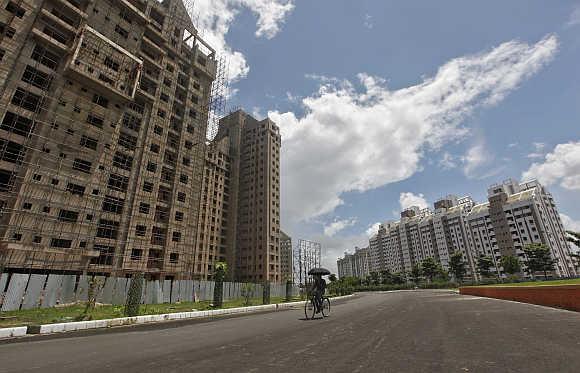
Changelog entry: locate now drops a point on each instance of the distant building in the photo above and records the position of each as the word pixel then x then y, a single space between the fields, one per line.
pixel 286 257
pixel 515 215
pixel 355 265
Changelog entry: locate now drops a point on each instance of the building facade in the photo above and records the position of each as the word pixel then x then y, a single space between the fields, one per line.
pixel 286 257
pixel 250 211
pixel 355 265
pixel 103 109
pixel 515 215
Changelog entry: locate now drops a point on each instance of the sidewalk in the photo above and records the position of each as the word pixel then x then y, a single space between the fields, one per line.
pixel 127 321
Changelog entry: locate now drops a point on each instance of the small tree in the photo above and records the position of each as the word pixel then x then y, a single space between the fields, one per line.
pixel 457 266
pixel 539 259
pixel 248 293
pixel 415 273
pixel 219 274
pixel 429 268
pixel 373 278
pixel 134 295
pixel 510 264
pixel 484 264
pixel 386 277
pixel 332 278
pixel 398 279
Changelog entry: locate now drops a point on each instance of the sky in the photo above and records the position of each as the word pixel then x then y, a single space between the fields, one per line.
pixel 387 104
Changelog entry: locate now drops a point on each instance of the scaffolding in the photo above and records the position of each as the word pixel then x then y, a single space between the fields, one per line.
pixel 307 255
pixel 104 112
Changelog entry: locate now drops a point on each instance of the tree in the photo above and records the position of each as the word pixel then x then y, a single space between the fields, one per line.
pixel 386 277
pixel 219 274
pixel 484 264
pixel 539 259
pixel 510 264
pixel 457 266
pixel 374 278
pixel 398 279
pixel 332 278
pixel 429 268
pixel 415 273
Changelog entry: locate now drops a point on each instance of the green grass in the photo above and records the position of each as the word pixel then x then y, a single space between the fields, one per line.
pixel 575 281
pixel 74 312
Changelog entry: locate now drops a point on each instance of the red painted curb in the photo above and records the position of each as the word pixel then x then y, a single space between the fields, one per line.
pixel 560 296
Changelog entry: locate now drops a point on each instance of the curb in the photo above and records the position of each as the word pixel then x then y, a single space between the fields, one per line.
pixel 7 333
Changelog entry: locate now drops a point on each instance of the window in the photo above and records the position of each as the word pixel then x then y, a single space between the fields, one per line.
pixel 89 142
pixel 144 208
pixel 113 204
pixel 173 258
pixel 147 187
pixel 167 175
pixel 37 239
pixel 186 161
pixel 27 100
pixel 100 100
pixel 37 177
pixel 7 30
pixel 11 152
pixel 60 243
pixel 121 31
pixel 127 141
pixel 45 57
pixel 154 148
pixel 27 206
pixel 111 64
pixel 118 182
pixel 75 189
pixel 106 255
pixel 15 9
pixel 136 254
pixel 158 236
pixel 176 237
pixel 181 196
pixel 95 120
pixel 17 124
pixel 183 178
pixel 188 145
pixel 37 78
pixel 178 216
pixel 131 122
pixel 151 167
pixel 82 165
pixel 68 216
pixel 123 161
pixel 140 230
pixel 158 130
pixel 108 229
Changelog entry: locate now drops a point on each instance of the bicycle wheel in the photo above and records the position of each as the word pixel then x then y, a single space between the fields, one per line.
pixel 309 309
pixel 326 307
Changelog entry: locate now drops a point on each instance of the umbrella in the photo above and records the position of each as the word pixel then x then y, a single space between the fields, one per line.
pixel 319 271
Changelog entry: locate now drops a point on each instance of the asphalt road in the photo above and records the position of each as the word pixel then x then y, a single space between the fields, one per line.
pixel 420 331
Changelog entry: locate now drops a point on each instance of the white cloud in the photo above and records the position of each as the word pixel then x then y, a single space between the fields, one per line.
pixel 356 140
pixel 448 161
pixel 337 226
pixel 538 150
pixel 574 17
pixel 569 223
pixel 409 199
pixel 480 163
pixel 373 229
pixel 368 22
pixel 214 18
pixel 561 166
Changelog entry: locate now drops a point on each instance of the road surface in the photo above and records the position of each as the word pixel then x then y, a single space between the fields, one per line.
pixel 417 331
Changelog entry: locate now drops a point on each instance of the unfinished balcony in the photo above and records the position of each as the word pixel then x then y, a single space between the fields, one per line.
pixel 105 65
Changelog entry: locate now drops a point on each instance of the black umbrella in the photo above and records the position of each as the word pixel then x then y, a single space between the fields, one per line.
pixel 319 271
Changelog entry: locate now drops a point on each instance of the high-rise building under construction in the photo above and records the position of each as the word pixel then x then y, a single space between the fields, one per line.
pixel 103 110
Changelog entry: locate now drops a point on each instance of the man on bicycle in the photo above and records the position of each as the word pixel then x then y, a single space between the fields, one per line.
pixel 318 289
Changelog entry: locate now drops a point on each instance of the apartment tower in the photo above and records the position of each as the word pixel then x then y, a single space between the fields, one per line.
pixel 103 109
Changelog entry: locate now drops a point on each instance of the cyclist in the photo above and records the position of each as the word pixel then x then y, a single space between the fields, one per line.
pixel 318 289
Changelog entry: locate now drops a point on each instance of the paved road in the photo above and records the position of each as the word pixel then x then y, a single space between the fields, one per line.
pixel 420 331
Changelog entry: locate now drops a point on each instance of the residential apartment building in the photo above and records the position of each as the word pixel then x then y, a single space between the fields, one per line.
pixel 103 109
pixel 286 257
pixel 516 214
pixel 355 265
pixel 252 228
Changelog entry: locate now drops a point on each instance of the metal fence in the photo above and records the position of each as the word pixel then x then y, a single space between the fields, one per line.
pixel 28 291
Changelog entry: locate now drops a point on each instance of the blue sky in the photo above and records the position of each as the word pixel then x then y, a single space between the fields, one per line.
pixel 454 96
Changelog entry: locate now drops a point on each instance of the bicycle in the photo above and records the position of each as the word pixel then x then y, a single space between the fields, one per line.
pixel 310 307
